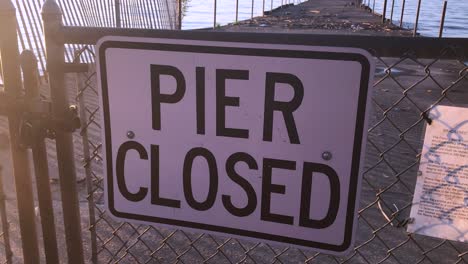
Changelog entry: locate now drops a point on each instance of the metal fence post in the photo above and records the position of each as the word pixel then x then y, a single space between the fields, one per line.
pixel 179 14
pixel 402 13
pixel 384 12
pixel 4 219
pixel 442 20
pixel 12 81
pixel 41 170
pixel 263 8
pixel 214 13
pixel 252 9
pixel 52 16
pixel 118 21
pixel 391 13
pixel 415 31
pixel 237 10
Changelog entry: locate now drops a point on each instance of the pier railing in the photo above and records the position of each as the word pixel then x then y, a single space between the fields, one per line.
pixel 389 6
pixel 408 83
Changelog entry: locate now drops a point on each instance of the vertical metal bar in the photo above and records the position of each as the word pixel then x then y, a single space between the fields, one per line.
pixel 126 15
pixel 101 12
pixel 5 224
pixel 34 10
pixel 138 14
pixel 159 16
pixel 179 14
pixel 36 33
pixel 415 31
pixel 402 13
pixel 442 20
pixel 135 14
pixel 98 12
pixel 88 16
pixel 52 17
pixel 94 13
pixel 106 13
pixel 85 18
pixel 252 9
pixel 237 10
pixel 155 14
pixel 118 23
pixel 263 8
pixel 68 56
pixel 24 27
pixel 147 13
pixel 29 67
pixel 20 36
pixel 271 5
pixel 141 14
pixel 111 12
pixel 69 20
pixel 373 7
pixel 214 13
pixel 163 15
pixel 169 15
pixel 391 13
pixel 384 13
pixel 131 14
pixel 87 161
pixel 1 71
pixel 12 80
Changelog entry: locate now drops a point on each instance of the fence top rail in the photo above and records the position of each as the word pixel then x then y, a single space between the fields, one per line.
pixel 384 46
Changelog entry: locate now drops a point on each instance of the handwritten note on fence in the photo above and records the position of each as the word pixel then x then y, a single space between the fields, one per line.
pixel 440 203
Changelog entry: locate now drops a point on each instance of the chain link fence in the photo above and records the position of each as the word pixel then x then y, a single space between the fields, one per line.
pixel 404 90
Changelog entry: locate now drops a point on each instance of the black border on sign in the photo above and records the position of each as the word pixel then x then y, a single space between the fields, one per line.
pixel 258 52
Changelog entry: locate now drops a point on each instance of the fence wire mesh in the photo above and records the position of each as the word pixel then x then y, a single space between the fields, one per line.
pixel 404 90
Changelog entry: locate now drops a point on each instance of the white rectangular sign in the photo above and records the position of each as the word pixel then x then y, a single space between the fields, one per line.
pixel 259 141
pixel 440 202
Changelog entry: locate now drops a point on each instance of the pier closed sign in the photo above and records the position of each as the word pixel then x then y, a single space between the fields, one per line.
pixel 256 141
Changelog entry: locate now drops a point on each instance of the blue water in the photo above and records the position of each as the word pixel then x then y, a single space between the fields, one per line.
pixel 200 14
pixel 456 20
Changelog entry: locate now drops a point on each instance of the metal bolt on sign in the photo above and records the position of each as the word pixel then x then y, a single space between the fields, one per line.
pixel 130 134
pixel 327 155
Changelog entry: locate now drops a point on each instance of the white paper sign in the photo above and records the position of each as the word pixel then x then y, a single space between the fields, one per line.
pixel 440 203
pixel 259 141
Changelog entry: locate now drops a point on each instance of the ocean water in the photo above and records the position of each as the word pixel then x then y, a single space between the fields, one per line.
pixel 456 20
pixel 199 14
